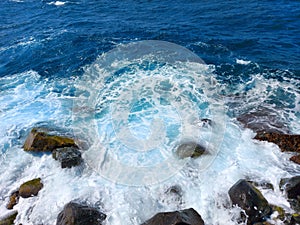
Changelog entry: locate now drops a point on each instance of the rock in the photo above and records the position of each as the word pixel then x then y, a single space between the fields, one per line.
pixel 286 142
pixel 76 214
pixel 13 200
pixel 206 123
pixel 263 119
pixel 183 217
pixel 40 141
pixel 68 156
pixel 250 199
pixel 9 219
pixel 30 188
pixel 291 187
pixel 295 159
pixel 295 219
pixel 190 149
pixel 280 212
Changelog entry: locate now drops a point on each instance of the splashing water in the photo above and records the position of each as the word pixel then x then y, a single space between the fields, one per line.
pixel 132 107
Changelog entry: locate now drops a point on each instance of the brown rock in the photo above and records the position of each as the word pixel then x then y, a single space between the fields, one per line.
pixel 183 217
pixel 295 159
pixel 40 141
pixel 9 219
pixel 30 188
pixel 13 200
pixel 286 142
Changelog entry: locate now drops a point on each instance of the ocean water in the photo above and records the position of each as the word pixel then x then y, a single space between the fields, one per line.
pixel 130 81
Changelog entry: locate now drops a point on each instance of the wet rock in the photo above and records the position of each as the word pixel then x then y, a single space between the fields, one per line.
pixel 9 219
pixel 183 217
pixel 250 199
pixel 13 200
pixel 206 123
pixel 30 188
pixel 295 159
pixel 286 142
pixel 263 119
pixel 40 141
pixel 68 156
pixel 291 187
pixel 262 184
pixel 295 219
pixel 190 149
pixel 76 214
pixel 280 212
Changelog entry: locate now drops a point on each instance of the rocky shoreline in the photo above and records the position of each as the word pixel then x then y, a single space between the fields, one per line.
pixel 244 194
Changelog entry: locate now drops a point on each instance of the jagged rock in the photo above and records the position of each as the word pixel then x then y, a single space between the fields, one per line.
pixel 76 214
pixel 30 188
pixel 40 141
pixel 190 149
pixel 9 219
pixel 295 159
pixel 183 217
pixel 68 156
pixel 250 199
pixel 286 142
pixel 291 187
pixel 13 200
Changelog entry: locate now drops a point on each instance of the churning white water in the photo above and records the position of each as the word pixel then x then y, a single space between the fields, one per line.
pixel 128 112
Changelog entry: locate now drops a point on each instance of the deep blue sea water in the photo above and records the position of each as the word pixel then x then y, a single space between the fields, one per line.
pixel 50 52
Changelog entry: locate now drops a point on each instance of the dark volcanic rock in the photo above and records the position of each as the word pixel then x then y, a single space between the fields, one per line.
pixel 263 119
pixel 9 219
pixel 246 196
pixel 183 217
pixel 40 141
pixel 291 187
pixel 76 214
pixel 68 156
pixel 13 200
pixel 190 149
pixel 30 188
pixel 286 142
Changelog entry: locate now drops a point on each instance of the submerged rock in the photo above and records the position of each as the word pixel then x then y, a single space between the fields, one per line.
pixel 190 149
pixel 40 141
pixel 250 199
pixel 13 200
pixel 291 187
pixel 30 188
pixel 183 217
pixel 263 119
pixel 76 214
pixel 9 219
pixel 286 142
pixel 68 156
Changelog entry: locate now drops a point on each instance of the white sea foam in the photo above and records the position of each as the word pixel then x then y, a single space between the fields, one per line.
pixel 242 62
pixel 57 3
pixel 27 99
